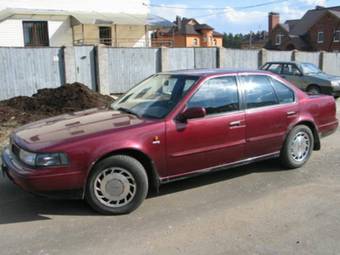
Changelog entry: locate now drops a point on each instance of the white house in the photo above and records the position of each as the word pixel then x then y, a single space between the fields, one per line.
pixel 37 23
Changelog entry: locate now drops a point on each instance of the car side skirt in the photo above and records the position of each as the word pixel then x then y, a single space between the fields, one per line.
pixel 219 168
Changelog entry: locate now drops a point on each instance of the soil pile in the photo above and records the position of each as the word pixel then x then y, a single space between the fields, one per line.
pixel 50 102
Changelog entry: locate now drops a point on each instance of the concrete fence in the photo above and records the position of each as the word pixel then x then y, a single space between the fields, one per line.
pixel 114 70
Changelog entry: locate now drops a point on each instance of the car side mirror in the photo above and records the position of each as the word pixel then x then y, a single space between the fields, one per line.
pixel 297 73
pixel 192 113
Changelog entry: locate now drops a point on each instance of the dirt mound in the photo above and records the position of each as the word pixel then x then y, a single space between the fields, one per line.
pixel 51 102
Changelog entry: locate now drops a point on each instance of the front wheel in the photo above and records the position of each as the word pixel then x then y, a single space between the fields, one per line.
pixel 313 90
pixel 117 185
pixel 297 147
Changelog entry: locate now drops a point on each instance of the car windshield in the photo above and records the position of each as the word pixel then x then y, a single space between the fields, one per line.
pixel 156 96
pixel 310 68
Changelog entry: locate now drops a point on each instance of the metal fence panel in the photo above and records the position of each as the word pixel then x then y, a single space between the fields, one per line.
pixel 180 58
pixel 128 66
pixel 245 59
pixel 205 57
pixel 310 57
pixel 331 63
pixel 23 70
pixel 278 55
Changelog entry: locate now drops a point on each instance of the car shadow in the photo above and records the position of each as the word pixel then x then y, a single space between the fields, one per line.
pixel 19 206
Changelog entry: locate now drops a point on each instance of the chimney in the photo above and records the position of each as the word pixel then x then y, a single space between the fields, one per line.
pixel 273 20
pixel 319 7
pixel 179 22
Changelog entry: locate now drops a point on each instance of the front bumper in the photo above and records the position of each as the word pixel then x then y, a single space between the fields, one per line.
pixel 336 91
pixel 51 182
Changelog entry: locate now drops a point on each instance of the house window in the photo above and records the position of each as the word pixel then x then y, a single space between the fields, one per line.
pixel 195 42
pixel 278 39
pixel 321 37
pixel 215 42
pixel 336 36
pixel 105 36
pixel 35 33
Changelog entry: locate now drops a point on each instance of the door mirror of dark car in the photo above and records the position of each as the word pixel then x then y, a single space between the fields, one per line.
pixel 297 73
pixel 192 113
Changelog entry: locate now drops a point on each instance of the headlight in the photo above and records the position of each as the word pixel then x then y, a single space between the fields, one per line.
pixel 335 83
pixel 51 159
pixel 27 157
pixel 44 159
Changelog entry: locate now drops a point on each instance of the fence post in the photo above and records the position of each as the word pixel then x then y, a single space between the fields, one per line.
pixel 220 57
pixel 321 60
pixel 262 58
pixel 164 59
pixel 295 55
pixel 70 64
pixel 102 64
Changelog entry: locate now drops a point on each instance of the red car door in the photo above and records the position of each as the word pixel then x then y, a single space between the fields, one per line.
pixel 216 139
pixel 270 107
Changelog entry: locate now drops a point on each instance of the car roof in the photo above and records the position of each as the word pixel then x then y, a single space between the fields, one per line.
pixel 211 71
pixel 284 62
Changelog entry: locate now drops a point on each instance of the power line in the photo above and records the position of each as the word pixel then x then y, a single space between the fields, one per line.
pixel 213 8
pixel 242 8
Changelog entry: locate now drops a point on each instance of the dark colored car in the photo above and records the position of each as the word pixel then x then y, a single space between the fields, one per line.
pixel 171 126
pixel 306 76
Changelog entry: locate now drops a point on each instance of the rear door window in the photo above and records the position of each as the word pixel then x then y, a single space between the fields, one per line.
pixel 285 94
pixel 275 68
pixel 258 91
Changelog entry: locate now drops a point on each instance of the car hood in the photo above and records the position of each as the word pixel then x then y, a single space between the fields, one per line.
pixel 325 76
pixel 48 132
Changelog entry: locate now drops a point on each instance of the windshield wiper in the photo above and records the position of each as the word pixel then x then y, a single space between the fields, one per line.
pixel 122 109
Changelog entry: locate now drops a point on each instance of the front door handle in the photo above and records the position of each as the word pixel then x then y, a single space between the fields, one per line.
pixel 291 113
pixel 235 123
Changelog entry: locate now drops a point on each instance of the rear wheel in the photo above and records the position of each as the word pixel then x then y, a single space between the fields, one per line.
pixel 117 185
pixel 313 90
pixel 297 147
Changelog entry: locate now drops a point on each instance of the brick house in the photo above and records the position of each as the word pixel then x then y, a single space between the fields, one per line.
pixel 318 29
pixel 187 33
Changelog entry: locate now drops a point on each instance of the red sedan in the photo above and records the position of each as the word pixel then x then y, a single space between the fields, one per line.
pixel 170 126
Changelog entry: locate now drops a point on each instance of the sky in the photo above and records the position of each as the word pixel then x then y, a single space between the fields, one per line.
pixel 231 18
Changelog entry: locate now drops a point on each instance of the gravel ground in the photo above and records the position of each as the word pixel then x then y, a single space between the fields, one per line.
pixel 255 209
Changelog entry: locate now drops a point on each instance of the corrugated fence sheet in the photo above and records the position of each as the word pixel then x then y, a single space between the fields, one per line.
pixel 115 70
pixel 278 55
pixel 243 59
pixel 180 58
pixel 311 57
pixel 205 57
pixel 331 63
pixel 127 67
pixel 23 70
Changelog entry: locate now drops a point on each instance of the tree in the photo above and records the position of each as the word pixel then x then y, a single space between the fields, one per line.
pixel 232 41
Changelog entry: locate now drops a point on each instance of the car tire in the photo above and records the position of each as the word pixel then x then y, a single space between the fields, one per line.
pixel 117 185
pixel 297 147
pixel 313 90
